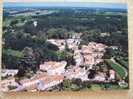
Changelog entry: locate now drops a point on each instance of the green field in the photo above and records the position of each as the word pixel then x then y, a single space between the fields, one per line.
pixel 120 71
pixel 122 62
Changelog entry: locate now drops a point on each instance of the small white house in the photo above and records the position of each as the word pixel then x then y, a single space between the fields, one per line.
pixel 35 23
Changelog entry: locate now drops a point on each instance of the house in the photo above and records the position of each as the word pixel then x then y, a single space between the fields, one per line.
pixel 78 57
pixel 4 84
pixel 77 35
pixel 112 74
pixel 101 47
pixel 9 72
pixel 76 72
pixel 72 43
pixel 105 34
pixel 35 23
pixel 97 61
pixel 93 53
pixel 114 47
pixel 58 42
pixel 89 60
pixel 87 49
pixel 53 67
pixel 81 73
pixel 97 46
pixel 40 83
pixel 100 77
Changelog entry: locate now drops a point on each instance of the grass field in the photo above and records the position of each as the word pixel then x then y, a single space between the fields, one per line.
pixel 122 62
pixel 120 71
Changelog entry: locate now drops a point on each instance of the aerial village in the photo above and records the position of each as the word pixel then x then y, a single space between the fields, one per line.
pixel 52 73
pixel 64 49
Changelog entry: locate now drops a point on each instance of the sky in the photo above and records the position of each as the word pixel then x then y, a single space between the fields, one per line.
pixel 66 4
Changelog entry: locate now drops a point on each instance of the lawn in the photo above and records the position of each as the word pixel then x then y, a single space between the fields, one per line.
pixel 120 71
pixel 122 62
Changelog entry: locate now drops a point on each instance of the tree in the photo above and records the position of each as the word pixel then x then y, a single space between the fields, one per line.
pixel 109 53
pixel 86 84
pixel 57 33
pixel 67 83
pixel 11 58
pixel 51 46
pixel 77 81
pixel 13 23
pixel 91 74
pixel 28 52
pixel 29 62
pixel 89 36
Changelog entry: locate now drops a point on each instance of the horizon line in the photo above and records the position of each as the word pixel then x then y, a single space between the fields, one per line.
pixel 65 4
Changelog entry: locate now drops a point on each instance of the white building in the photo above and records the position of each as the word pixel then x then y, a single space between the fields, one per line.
pixel 112 74
pixel 76 72
pixel 99 78
pixel 9 72
pixel 35 23
pixel 72 43
pixel 78 57
pixel 53 67
pixel 41 83
pixel 58 42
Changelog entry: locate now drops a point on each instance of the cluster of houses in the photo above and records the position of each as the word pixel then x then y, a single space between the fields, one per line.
pixel 52 67
pixel 5 84
pixel 89 55
pixel 40 83
pixel 93 53
pixel 49 75
pixel 9 80
pixel 61 43
pixel 72 42
pixel 76 72
pixel 52 73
